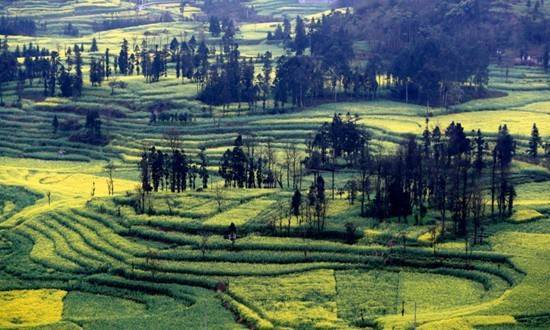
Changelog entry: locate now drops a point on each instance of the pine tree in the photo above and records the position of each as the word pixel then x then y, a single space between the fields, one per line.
pixel 534 142
pixel 203 169
pixel 123 58
pixel 300 38
pixel 214 27
pixel 107 64
pixel 479 151
pixel 78 80
pixel 93 47
pixel 65 83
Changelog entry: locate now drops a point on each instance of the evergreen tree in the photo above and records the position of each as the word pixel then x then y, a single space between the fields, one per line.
pixel 107 64
pixel 123 58
pixel 78 80
pixel 214 26
pixel 534 142
pixel 65 83
pixel 300 38
pixel 203 169
pixel 93 47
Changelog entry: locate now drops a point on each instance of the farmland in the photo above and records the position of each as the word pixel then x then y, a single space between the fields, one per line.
pixel 83 246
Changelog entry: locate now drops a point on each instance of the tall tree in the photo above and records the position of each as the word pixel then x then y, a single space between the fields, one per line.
pixel 535 142
pixel 300 36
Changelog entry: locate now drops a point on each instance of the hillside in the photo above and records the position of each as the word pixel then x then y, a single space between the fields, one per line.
pixel 166 166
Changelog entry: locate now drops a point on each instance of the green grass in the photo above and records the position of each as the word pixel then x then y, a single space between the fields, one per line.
pixel 365 295
pixel 298 301
pixel 13 199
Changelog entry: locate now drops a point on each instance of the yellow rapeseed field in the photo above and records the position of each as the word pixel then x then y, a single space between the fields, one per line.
pixel 25 308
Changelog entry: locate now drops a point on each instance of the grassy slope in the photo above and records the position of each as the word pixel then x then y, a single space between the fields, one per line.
pixel 105 258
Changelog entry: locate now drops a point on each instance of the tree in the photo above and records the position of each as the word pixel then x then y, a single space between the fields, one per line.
pixel 78 81
pixel 107 64
pixel 110 170
pixel 123 58
pixel 300 38
pixel 92 133
pixel 55 124
pixel 214 26
pixel 534 142
pixel 264 79
pixel 503 154
pixel 117 84
pixel 219 197
pixel 8 69
pixel 296 204
pixel 65 83
pixel 96 72
pixel 93 47
pixel 203 167
pixel 172 136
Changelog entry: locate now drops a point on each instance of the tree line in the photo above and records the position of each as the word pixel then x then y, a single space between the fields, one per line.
pixel 446 171
pixel 458 176
pixel 17 26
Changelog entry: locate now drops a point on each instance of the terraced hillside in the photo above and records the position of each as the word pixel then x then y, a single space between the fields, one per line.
pixel 75 256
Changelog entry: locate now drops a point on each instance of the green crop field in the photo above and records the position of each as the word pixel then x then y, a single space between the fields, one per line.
pixel 76 255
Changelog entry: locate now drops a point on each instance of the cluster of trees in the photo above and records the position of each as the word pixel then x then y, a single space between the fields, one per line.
pixel 446 171
pixel 433 51
pixel 301 79
pixel 309 211
pixel 282 33
pixel 91 132
pixel 30 50
pixel 172 170
pixel 182 117
pixel 218 26
pixel 250 164
pixel 243 167
pixel 67 75
pixel 71 30
pixel 17 26
pixel 56 75
pixel 343 137
pixel 438 51
pixel 8 67
pixel 459 176
pixel 120 22
pixel 151 62
pixel 230 80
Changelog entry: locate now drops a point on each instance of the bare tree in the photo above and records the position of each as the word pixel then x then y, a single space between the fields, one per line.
pixel 478 212
pixel 172 136
pixel 218 196
pixel 116 84
pixel 171 203
pixel 110 169
pixel 291 162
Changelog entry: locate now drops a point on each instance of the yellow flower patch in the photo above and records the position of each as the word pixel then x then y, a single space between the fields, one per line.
pixel 30 307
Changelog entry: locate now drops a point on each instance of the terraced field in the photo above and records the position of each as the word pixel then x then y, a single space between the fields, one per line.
pixel 74 257
pixel 155 269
